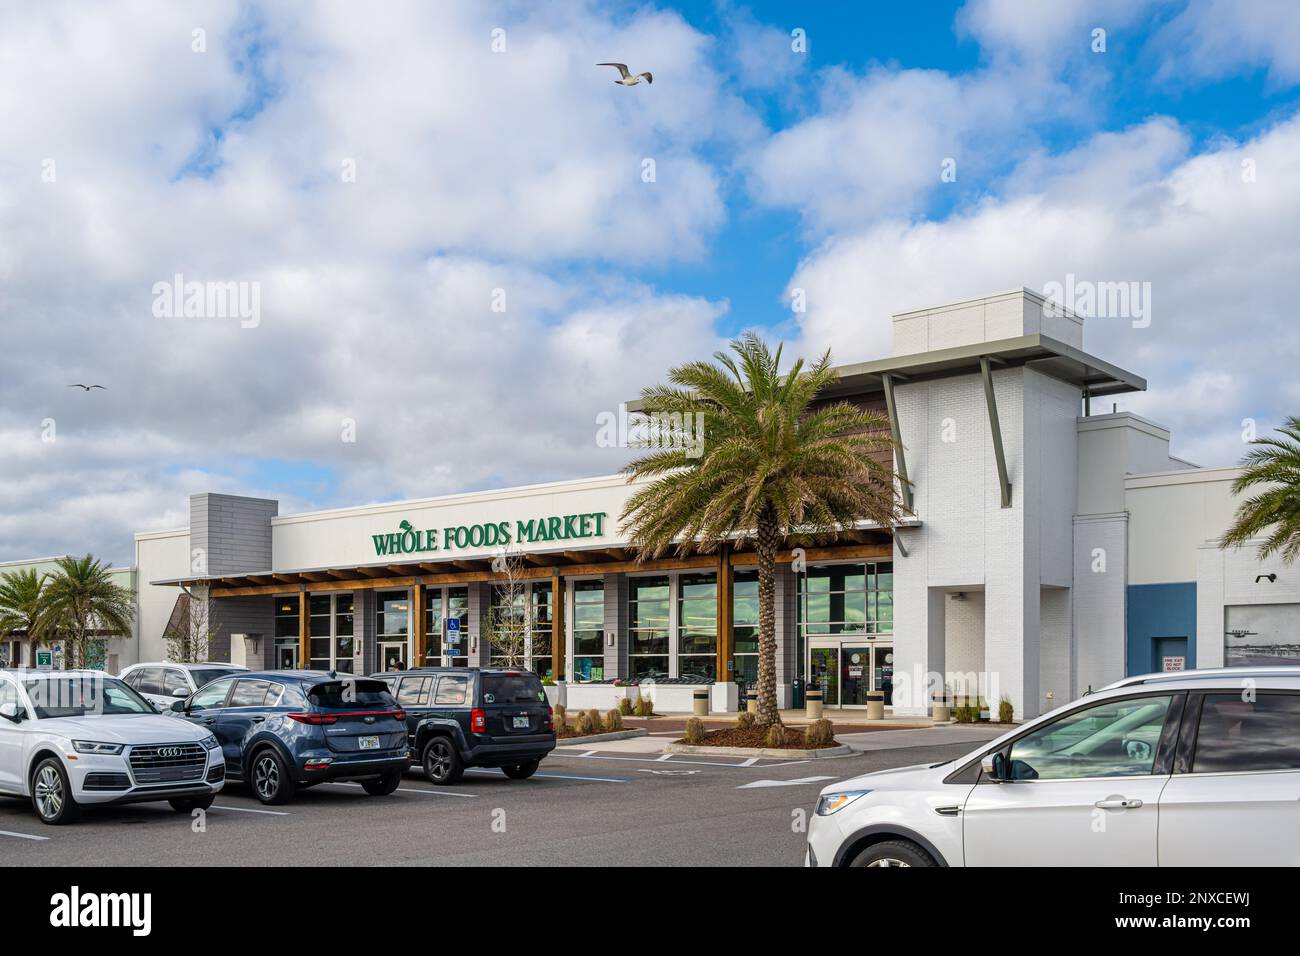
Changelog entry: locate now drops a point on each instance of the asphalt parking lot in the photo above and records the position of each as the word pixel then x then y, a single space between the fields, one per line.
pixel 602 807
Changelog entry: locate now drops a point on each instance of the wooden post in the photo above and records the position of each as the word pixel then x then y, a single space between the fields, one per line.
pixel 726 641
pixel 304 629
pixel 418 625
pixel 557 625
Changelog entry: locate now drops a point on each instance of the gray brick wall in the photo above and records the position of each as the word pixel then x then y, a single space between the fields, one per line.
pixel 364 627
pixel 480 602
pixel 244 615
pixel 232 533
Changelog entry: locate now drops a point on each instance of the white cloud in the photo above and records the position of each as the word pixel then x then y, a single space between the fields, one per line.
pixel 1211 38
pixel 1222 255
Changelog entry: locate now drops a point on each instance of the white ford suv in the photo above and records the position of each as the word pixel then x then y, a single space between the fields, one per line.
pixel 1198 768
pixel 72 738
pixel 164 683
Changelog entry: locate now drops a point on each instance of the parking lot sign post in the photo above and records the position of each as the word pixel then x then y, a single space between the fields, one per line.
pixel 45 660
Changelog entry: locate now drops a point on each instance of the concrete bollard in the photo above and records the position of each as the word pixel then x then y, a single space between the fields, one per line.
pixel 813 703
pixel 700 702
pixel 875 705
pixel 940 708
pixel 751 701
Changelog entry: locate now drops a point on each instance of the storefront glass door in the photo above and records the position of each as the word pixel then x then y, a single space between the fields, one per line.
pixel 824 672
pixel 392 656
pixel 846 670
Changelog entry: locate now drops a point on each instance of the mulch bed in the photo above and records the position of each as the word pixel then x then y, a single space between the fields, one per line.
pixel 754 737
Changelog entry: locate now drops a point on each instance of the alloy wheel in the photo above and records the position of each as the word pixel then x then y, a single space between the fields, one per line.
pixel 439 760
pixel 266 777
pixel 888 861
pixel 49 792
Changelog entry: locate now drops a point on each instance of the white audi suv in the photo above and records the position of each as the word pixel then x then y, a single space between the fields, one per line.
pixel 69 739
pixel 1195 768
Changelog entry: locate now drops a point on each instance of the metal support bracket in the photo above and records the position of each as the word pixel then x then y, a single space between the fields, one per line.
pixel 896 433
pixel 990 401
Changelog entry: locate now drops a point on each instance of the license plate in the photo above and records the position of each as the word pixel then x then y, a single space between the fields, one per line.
pixel 368 743
pixel 521 723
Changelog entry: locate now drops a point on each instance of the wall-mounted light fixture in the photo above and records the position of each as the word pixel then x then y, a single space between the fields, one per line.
pixel 1271 577
pixel 610 638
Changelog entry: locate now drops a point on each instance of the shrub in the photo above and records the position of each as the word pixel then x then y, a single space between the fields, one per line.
pixel 961 713
pixel 597 725
pixel 561 718
pixel 820 733
pixel 775 737
pixel 645 707
pixel 745 721
pixel 625 707
pixel 582 726
pixel 614 720
pixel 694 731
pixel 1005 710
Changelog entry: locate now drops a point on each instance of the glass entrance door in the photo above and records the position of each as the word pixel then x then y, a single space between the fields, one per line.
pixel 824 672
pixel 845 671
pixel 286 656
pixel 392 656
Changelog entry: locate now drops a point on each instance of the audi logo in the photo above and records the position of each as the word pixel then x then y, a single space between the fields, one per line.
pixel 170 751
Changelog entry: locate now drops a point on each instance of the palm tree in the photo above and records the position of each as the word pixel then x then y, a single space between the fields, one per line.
pixel 771 466
pixel 22 604
pixel 83 599
pixel 1272 466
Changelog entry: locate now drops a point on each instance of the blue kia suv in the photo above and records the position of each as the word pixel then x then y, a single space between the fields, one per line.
pixel 282 730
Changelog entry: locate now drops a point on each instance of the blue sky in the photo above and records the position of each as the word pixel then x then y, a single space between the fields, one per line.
pixel 215 140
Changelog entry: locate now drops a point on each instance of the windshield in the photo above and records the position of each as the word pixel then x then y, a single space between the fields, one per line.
pixel 512 689
pixel 204 676
pixel 84 696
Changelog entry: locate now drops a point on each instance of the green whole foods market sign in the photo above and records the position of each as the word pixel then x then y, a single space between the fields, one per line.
pixel 410 540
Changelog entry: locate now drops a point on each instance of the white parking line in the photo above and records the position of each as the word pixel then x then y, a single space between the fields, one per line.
pixel 428 793
pixel 21 836
pixel 798 781
pixel 746 764
pixel 271 813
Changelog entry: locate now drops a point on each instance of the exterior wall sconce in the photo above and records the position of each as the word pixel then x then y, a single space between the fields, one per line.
pixel 1272 576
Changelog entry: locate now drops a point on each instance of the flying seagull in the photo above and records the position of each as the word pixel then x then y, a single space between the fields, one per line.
pixel 626 78
pixel 87 387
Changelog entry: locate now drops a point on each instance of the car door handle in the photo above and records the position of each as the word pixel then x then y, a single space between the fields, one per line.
pixel 1118 803
pixel 258 720
pixel 209 720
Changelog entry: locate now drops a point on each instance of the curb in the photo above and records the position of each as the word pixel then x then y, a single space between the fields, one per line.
pixel 600 738
pixel 842 750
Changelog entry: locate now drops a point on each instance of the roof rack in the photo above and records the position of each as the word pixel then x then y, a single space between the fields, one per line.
pixel 1207 673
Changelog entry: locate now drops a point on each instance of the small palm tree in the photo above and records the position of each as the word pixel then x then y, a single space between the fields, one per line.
pixel 770 466
pixel 1273 467
pixel 22 604
pixel 81 599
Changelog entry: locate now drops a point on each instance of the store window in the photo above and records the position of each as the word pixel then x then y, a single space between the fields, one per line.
pixel 458 608
pixel 648 617
pixel 286 633
pixel 847 599
pixel 432 627
pixel 540 623
pixel 508 626
pixel 392 628
pixel 331 642
pixel 588 631
pixel 697 627
pixel 744 613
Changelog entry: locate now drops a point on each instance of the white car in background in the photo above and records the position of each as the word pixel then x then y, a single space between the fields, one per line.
pixel 163 683
pixel 1195 768
pixel 69 739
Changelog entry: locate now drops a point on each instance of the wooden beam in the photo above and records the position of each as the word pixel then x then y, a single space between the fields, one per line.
pixel 618 554
pixel 304 630
pixel 403 569
pixel 418 625
pixel 726 641
pixel 577 557
pixel 315 576
pixel 557 626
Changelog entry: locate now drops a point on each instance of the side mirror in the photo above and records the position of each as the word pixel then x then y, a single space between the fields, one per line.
pixel 180 692
pixel 179 707
pixel 12 711
pixel 994 766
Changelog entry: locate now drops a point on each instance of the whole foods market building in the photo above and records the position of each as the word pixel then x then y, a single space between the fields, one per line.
pixel 1020 573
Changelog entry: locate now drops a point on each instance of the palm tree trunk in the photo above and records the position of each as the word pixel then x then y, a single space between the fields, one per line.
pixel 768 540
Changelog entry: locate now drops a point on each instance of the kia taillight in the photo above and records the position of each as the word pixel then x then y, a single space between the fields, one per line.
pixel 550 718
pixel 399 715
pixel 478 721
pixel 314 719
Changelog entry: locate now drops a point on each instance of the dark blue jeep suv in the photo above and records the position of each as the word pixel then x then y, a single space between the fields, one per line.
pixel 281 730
pixel 460 717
